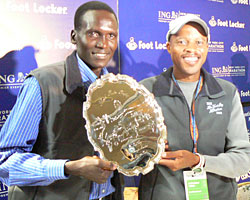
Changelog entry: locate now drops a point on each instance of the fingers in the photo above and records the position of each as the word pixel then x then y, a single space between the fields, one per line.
pixel 90 167
pixel 96 157
pixel 102 176
pixel 166 162
pixel 171 164
pixel 106 165
pixel 99 170
pixel 176 160
pixel 166 145
pixel 169 160
pixel 171 154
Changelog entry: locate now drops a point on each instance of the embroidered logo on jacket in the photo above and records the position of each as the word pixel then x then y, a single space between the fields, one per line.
pixel 215 108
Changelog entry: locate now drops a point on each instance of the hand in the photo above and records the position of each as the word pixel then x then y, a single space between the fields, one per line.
pixel 92 168
pixel 176 160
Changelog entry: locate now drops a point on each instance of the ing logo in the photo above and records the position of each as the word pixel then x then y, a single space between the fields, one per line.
pixel 12 78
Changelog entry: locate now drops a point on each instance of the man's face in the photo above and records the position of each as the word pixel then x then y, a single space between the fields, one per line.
pixel 96 39
pixel 188 49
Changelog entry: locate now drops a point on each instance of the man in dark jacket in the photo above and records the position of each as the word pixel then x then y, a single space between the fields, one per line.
pixel 208 143
pixel 45 152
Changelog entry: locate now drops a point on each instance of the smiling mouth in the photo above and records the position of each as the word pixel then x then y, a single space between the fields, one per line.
pixel 191 60
pixel 101 55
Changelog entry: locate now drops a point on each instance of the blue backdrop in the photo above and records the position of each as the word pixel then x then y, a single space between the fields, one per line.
pixel 143 36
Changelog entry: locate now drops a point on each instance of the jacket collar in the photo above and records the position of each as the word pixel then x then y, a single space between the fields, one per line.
pixel 164 85
pixel 73 76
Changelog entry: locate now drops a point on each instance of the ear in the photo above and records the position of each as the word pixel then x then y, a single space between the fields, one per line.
pixel 168 47
pixel 73 36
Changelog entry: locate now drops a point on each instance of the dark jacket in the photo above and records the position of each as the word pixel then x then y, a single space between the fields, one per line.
pixel 163 183
pixel 62 134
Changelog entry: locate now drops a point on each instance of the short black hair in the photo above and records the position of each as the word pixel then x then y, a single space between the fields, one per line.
pixel 91 5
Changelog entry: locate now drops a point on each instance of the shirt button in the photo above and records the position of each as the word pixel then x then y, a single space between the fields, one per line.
pixel 103 191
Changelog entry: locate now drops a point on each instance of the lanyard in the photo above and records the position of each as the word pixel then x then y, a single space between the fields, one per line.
pixel 192 123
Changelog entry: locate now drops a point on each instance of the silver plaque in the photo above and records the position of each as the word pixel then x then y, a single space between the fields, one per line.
pixel 243 191
pixel 124 123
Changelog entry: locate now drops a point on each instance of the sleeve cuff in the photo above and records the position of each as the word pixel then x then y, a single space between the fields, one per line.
pixel 55 169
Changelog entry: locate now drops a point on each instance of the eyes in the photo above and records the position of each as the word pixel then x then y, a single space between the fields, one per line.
pixel 96 34
pixel 184 42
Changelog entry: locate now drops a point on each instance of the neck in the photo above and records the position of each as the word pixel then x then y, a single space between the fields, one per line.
pixel 97 71
pixel 186 78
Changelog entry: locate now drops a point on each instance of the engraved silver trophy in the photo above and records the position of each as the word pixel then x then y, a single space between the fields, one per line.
pixel 124 123
pixel 243 191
